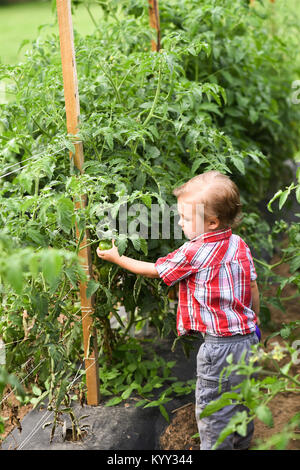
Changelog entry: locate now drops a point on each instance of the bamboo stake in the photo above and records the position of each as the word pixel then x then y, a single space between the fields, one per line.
pixel 72 115
pixel 154 23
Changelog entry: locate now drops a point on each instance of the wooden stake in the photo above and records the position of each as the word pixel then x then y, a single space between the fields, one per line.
pixel 72 114
pixel 154 23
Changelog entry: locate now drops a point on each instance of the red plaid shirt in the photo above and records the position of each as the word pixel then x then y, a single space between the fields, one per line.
pixel 214 271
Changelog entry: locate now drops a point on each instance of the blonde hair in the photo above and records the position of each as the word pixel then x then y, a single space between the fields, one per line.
pixel 219 194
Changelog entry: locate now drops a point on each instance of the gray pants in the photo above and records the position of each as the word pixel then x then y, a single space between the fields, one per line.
pixel 211 360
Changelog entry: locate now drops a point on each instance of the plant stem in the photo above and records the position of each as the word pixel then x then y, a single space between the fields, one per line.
pixel 44 284
pixel 126 75
pixel 130 322
pixel 41 128
pixel 155 99
pixel 36 193
pixel 266 265
pixel 272 266
pixel 62 289
pixel 291 297
pixel 108 75
pixel 79 240
pixel 292 379
pixel 84 246
pixel 197 70
pixel 91 15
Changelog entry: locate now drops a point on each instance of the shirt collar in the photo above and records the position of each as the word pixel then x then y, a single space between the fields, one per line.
pixel 216 236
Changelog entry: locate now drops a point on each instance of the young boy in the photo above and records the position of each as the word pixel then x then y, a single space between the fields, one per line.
pixel 218 294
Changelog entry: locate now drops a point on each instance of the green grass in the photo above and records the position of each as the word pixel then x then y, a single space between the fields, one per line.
pixel 22 22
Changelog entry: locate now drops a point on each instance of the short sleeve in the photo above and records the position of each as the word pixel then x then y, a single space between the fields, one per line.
pixel 174 267
pixel 253 275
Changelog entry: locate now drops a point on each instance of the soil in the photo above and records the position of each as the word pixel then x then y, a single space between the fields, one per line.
pixel 12 412
pixel 179 434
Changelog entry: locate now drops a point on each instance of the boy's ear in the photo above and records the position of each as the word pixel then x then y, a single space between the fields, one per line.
pixel 214 223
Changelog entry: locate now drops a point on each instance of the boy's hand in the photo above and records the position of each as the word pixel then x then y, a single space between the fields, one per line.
pixel 142 268
pixel 111 255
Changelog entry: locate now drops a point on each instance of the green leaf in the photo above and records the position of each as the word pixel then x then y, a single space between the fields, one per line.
pixel 152 151
pixel 114 401
pixel 132 367
pixel 37 400
pixel 146 198
pixel 36 390
pixel 139 243
pixel 92 287
pixel 283 198
pixel 276 302
pixel 147 388
pixel 136 241
pixel 25 180
pixel 285 332
pixel 14 273
pixel 137 287
pixel 118 318
pixel 236 423
pixel 109 139
pixel 71 273
pixel 141 403
pixel 40 304
pixel 122 244
pixel 164 412
pixel 61 392
pixel 28 202
pixel 239 164
pixel 36 236
pixel 144 246
pixel 285 369
pixel 126 394
pixel 65 214
pixel 241 428
pixel 196 164
pixel 140 181
pixel 51 265
pixel 276 195
pixel 33 264
pixel 70 146
pixel 216 405
pixel 254 115
pixel 152 404
pixel 264 413
pixel 295 264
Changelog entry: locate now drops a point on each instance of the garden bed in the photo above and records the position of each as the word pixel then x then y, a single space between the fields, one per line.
pixel 178 435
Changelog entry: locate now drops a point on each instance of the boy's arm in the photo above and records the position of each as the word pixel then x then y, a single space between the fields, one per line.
pixel 143 268
pixel 138 267
pixel 255 298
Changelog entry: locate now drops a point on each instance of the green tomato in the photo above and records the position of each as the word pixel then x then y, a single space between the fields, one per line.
pixel 104 272
pixel 105 245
